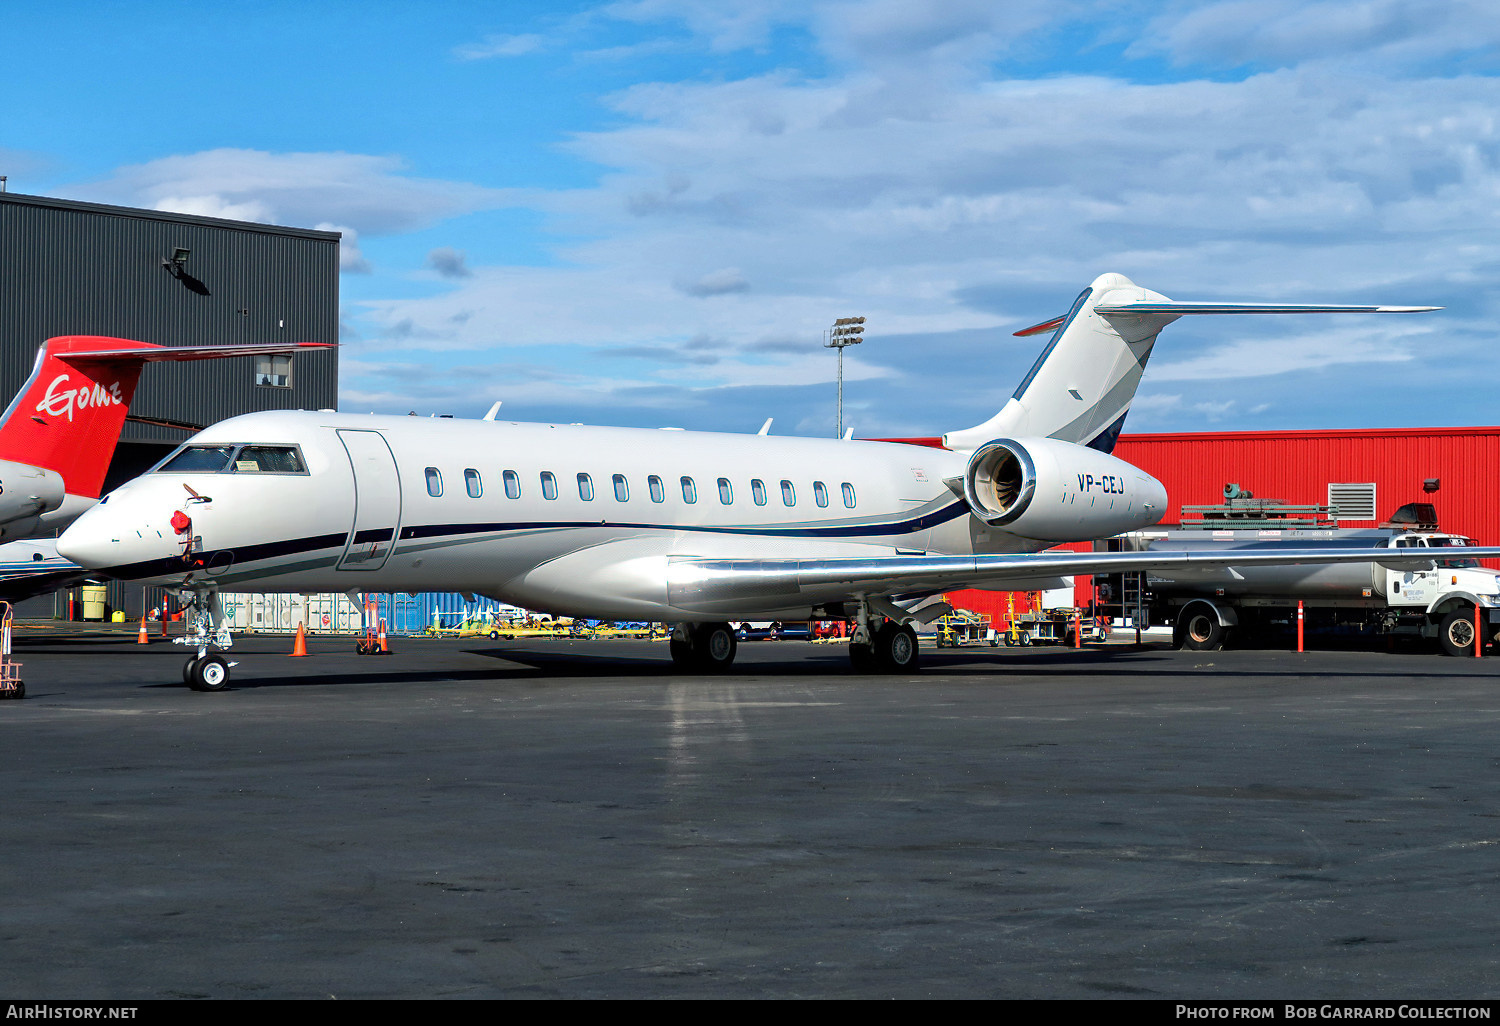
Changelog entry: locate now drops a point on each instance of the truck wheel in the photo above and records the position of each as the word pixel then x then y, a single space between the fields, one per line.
pixel 1200 630
pixel 1456 635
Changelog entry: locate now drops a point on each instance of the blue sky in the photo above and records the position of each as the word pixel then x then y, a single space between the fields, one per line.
pixel 647 212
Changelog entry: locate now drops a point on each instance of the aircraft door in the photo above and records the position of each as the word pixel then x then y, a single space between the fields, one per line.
pixel 377 500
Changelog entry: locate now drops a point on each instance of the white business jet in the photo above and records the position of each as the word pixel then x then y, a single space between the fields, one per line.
pixel 689 527
pixel 57 437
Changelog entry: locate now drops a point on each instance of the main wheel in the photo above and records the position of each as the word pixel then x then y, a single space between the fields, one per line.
pixel 714 646
pixel 211 673
pixel 1456 635
pixel 682 653
pixel 1200 630
pixel 896 648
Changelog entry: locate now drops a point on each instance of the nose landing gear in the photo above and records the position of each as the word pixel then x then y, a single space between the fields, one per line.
pixel 204 672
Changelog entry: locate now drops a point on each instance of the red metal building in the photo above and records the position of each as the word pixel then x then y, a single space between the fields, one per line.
pixel 1385 468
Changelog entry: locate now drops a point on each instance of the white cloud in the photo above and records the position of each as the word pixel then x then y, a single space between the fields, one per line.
pixel 351 257
pixel 500 46
pixel 715 283
pixel 371 194
pixel 1255 355
pixel 1390 34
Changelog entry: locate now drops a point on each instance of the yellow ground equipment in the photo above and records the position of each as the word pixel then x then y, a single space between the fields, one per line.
pixel 964 627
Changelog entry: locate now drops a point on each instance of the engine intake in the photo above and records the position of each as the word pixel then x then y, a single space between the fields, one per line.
pixel 1000 482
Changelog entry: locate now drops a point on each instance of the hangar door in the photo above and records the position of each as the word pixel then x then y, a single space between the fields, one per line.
pixel 377 500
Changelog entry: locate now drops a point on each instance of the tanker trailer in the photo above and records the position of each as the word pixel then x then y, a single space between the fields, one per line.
pixel 1207 609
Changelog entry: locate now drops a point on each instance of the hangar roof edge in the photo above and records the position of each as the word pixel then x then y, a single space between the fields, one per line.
pixel 166 215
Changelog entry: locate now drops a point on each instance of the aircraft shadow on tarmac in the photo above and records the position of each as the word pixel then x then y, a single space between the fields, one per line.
pixel 770 661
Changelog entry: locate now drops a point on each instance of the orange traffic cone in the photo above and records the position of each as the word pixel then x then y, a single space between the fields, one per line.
pixel 300 648
pixel 143 638
pixel 384 648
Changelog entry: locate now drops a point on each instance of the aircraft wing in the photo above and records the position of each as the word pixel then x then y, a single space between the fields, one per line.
pixel 715 585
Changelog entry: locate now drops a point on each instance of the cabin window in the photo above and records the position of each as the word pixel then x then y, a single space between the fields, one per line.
pixel 726 493
pixel 549 485
pixel 658 490
pixel 274 371
pixel 434 482
pixel 758 491
pixel 788 493
pixel 268 459
pixel 622 489
pixel 689 491
pixel 585 488
pixel 820 493
pixel 513 484
pixel 200 459
pixel 472 483
pixel 848 495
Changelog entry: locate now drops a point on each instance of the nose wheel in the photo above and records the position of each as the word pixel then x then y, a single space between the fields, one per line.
pixel 206 673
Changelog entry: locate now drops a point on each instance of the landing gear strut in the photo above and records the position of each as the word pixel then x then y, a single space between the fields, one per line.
pixel 204 672
pixel 703 647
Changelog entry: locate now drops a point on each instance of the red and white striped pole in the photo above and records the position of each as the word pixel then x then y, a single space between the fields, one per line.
pixel 1299 625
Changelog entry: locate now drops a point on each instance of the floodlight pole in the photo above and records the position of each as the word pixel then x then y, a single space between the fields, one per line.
pixel 845 332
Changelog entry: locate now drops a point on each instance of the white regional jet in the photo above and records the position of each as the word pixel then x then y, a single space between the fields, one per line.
pixel 58 435
pixel 679 526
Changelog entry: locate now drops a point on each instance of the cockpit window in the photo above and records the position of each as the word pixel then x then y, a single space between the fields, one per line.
pixel 268 459
pixel 235 459
pixel 200 459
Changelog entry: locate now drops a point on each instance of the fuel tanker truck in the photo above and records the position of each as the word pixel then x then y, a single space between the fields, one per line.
pixel 1208 609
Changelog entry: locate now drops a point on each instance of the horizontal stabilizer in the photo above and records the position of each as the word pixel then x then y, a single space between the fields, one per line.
pixel 146 352
pixel 1041 329
pixel 1174 307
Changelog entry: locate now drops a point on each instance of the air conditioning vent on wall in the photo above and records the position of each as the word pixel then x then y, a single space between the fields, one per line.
pixel 1354 501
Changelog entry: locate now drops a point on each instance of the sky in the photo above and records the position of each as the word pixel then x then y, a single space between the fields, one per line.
pixel 649 212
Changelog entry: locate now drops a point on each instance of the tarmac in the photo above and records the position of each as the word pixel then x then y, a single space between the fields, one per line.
pixel 467 818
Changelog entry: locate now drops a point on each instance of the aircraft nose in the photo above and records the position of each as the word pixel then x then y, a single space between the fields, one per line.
pixel 88 543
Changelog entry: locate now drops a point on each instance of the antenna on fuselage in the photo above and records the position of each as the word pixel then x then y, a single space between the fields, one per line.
pixel 765 429
pixel 848 434
pixel 493 410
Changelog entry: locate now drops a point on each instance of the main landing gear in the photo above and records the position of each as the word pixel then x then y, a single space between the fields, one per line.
pixel 204 672
pixel 879 645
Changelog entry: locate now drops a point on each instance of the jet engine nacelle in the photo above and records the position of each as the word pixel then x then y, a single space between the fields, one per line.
pixel 27 491
pixel 1051 490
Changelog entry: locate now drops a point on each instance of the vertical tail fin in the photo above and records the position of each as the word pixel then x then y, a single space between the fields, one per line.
pixel 1082 385
pixel 68 415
